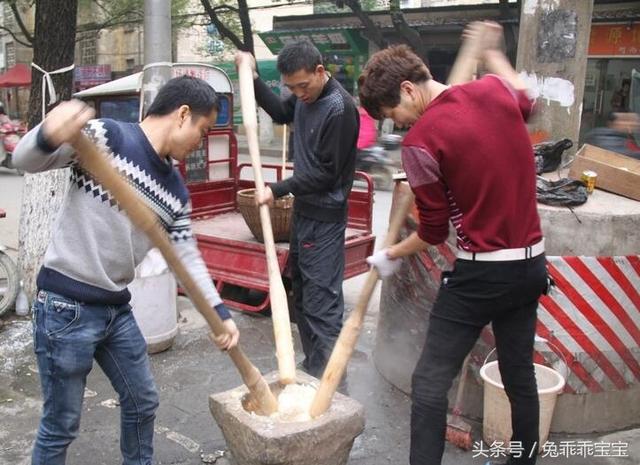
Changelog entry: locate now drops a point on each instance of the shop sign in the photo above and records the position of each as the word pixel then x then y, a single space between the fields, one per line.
pixel 614 40
pixel 86 76
pixel 328 41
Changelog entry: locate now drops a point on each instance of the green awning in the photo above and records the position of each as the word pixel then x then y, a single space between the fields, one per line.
pixel 331 40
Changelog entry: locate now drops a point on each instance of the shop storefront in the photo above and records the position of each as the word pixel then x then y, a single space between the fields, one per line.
pixel 612 81
pixel 344 51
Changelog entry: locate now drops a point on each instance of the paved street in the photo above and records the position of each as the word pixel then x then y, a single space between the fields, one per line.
pixel 192 369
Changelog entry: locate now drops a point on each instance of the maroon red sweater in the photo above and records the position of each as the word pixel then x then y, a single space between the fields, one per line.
pixel 468 159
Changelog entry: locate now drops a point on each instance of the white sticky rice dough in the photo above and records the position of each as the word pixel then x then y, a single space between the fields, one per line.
pixel 294 403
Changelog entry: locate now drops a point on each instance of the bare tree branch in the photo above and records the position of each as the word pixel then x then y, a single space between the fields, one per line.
pixel 509 31
pixel 371 31
pixel 409 34
pixel 23 28
pixel 223 30
pixel 223 8
pixel 245 22
pixel 30 45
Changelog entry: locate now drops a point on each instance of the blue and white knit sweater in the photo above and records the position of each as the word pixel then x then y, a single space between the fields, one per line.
pixel 94 248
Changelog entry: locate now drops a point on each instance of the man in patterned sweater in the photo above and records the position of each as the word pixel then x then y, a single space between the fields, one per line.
pixel 82 309
pixel 469 161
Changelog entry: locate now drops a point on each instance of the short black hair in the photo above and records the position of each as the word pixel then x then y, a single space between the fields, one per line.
pixel 296 56
pixel 194 92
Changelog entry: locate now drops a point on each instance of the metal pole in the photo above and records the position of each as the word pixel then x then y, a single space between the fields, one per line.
pixel 157 50
pixel 157 31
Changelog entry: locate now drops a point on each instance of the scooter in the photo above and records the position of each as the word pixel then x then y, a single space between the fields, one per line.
pixel 9 283
pixel 390 141
pixel 376 162
pixel 10 133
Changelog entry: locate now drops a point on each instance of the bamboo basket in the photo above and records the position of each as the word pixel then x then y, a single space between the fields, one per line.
pixel 280 215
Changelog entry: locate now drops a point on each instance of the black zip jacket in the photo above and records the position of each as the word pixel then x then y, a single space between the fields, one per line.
pixel 325 135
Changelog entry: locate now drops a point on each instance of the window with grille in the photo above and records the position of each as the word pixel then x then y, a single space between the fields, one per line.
pixel 88 50
pixel 10 52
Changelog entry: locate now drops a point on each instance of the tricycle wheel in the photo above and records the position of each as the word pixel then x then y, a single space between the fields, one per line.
pixel 9 285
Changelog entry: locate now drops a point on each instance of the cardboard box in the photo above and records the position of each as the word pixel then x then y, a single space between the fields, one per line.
pixel 617 173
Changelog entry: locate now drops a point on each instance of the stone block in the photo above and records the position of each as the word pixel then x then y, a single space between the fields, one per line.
pixel 258 440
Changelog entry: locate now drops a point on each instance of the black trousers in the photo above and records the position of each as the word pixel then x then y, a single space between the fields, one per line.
pixel 316 260
pixel 474 294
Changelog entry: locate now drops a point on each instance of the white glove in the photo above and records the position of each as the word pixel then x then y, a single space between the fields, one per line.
pixel 385 265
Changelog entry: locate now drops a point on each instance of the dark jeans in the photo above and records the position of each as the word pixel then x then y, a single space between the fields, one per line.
pixel 68 336
pixel 316 260
pixel 474 294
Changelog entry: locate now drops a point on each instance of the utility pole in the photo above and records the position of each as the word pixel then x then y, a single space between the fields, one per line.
pixel 157 49
pixel 157 31
pixel 552 58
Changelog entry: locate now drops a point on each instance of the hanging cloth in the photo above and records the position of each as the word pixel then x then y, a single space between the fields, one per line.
pixel 47 84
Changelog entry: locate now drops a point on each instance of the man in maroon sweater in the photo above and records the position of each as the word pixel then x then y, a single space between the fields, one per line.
pixel 469 161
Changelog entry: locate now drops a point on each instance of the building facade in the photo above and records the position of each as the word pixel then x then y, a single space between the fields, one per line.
pixel 613 53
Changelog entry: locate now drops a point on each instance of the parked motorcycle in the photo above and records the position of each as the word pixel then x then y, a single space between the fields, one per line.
pixel 10 134
pixel 376 162
pixel 390 141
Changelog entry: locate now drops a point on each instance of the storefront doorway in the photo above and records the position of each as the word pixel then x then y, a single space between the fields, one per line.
pixel 614 54
pixel 607 89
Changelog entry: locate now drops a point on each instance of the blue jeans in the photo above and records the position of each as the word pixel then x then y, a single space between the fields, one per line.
pixel 68 335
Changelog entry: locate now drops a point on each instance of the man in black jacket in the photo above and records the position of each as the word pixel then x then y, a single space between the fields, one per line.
pixel 325 122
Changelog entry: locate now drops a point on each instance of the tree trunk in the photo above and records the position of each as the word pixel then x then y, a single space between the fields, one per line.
pixel 53 48
pixel 245 22
pixel 510 33
pixel 410 35
pixel 371 31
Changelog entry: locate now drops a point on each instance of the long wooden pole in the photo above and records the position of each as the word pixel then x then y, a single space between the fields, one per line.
pixel 277 293
pixel 284 149
pixel 142 217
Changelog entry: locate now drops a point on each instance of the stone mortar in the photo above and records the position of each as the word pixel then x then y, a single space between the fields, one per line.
pixel 258 440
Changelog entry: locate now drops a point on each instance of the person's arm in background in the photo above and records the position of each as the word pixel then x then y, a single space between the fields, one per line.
pixel 368 133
